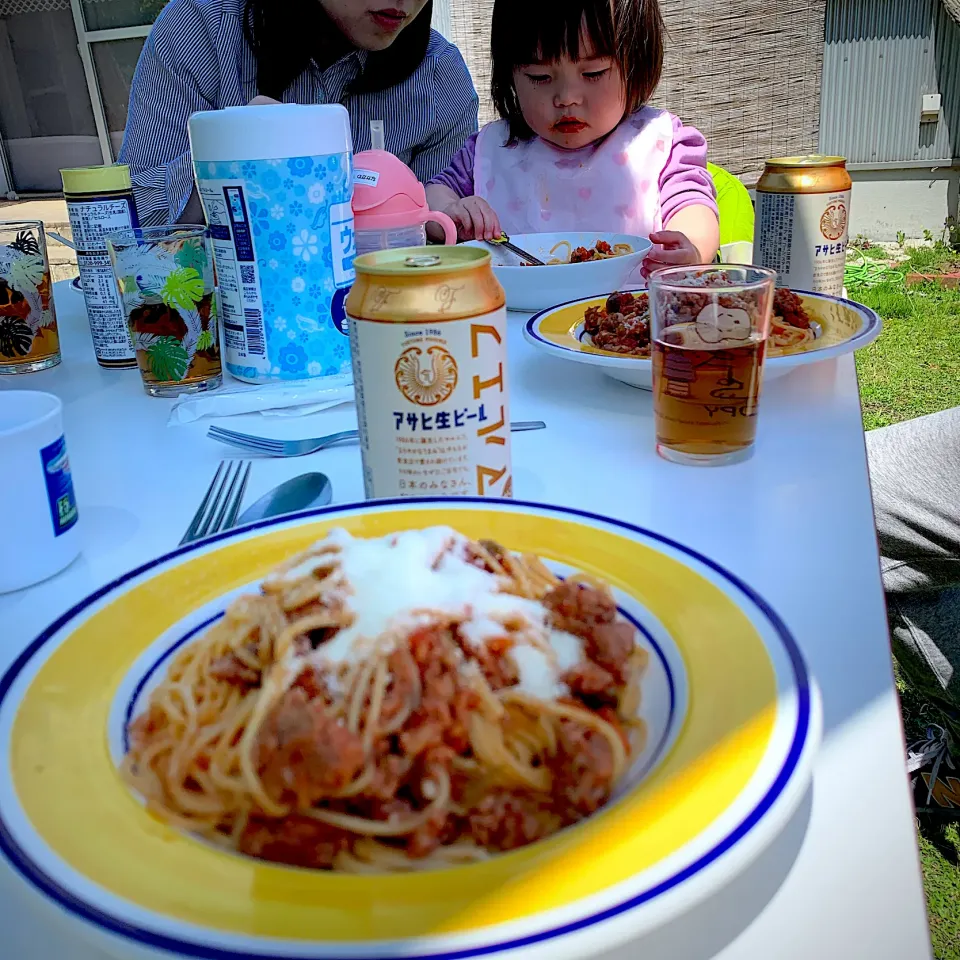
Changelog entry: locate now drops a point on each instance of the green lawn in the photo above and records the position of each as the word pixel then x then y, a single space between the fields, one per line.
pixel 914 369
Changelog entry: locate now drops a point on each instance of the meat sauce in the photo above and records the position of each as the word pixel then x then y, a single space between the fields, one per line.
pixel 304 754
pixel 622 325
pixel 789 308
pixel 586 254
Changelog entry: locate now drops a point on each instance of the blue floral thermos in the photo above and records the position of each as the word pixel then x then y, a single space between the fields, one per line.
pixel 276 185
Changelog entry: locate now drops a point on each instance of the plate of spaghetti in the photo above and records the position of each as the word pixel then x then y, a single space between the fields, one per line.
pixel 613 332
pixel 580 264
pixel 427 728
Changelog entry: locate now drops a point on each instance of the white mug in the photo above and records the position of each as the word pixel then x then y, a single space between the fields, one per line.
pixel 39 534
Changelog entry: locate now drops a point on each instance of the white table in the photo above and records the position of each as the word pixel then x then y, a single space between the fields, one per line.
pixel 843 879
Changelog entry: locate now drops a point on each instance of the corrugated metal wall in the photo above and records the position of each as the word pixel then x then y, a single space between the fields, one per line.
pixel 880 57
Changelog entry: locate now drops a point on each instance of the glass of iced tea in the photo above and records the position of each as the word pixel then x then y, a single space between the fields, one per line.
pixel 28 321
pixel 709 329
pixel 166 282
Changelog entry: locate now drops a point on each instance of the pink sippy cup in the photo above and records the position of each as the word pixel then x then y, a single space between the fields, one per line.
pixel 390 205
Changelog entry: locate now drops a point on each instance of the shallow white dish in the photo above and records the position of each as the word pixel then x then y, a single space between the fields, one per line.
pixel 844 326
pixel 529 288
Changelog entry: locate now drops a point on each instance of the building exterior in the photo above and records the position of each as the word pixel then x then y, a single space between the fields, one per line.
pixel 65 72
pixel 891 105
pixel 877 81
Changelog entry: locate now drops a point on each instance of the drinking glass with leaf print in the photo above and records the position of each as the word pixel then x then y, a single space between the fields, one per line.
pixel 166 282
pixel 28 322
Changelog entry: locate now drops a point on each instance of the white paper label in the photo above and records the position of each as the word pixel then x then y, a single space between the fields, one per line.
pixel 366 178
pixel 343 244
pixel 91 221
pixel 804 238
pixel 238 274
pixel 433 407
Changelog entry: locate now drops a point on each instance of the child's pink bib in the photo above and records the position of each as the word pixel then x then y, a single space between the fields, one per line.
pixel 613 186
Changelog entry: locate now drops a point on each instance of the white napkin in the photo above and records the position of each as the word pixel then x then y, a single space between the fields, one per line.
pixel 291 398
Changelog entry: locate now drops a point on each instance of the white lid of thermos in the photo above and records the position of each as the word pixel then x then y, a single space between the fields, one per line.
pixel 270 132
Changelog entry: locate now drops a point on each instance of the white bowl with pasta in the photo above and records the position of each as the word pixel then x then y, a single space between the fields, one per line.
pixel 529 288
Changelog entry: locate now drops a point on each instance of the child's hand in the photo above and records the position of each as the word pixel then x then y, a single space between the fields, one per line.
pixel 475 219
pixel 670 249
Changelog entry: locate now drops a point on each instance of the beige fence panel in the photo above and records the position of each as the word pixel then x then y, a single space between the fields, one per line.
pixel 747 76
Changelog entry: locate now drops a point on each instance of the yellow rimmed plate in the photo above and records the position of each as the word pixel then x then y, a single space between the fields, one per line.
pixel 845 326
pixel 732 713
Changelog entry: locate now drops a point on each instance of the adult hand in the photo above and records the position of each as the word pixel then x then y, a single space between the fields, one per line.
pixel 475 219
pixel 259 101
pixel 670 249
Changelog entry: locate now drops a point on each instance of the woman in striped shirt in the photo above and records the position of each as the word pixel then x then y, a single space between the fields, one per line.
pixel 377 57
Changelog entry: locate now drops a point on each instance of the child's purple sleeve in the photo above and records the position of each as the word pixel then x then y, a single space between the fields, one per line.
pixel 459 174
pixel 685 179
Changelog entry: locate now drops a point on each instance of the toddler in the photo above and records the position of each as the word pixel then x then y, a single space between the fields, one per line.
pixel 577 148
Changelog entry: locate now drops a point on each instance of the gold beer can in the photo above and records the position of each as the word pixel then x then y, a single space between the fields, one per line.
pixel 802 222
pixel 428 336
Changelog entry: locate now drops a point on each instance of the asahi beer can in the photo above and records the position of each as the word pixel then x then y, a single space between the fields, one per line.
pixel 802 222
pixel 428 337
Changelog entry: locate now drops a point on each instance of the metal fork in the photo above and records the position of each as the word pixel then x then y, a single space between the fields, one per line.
pixel 299 448
pixel 221 503
pixel 504 241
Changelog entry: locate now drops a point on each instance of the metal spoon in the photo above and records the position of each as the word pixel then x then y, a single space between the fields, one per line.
pixel 299 493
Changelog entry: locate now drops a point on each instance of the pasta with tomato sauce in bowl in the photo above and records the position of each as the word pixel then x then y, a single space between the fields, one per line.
pixel 575 265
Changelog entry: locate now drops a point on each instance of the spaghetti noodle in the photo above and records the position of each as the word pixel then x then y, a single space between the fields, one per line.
pixel 601 250
pixel 405 703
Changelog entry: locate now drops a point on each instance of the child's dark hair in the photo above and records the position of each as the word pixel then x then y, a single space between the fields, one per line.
pixel 630 31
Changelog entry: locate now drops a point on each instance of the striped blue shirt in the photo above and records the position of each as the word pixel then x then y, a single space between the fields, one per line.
pixel 197 58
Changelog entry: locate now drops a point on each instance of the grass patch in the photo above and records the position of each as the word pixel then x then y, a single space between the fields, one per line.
pixel 931 259
pixel 914 366
pixel 873 253
pixel 913 369
pixel 939 856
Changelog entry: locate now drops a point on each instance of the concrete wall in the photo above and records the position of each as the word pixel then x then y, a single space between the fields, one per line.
pixel 886 202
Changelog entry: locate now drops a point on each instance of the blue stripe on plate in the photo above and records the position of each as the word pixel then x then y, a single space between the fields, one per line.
pixel 531 325
pixel 52 888
pixel 161 659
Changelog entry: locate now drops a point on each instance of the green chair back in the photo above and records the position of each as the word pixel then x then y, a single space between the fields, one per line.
pixel 736 208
